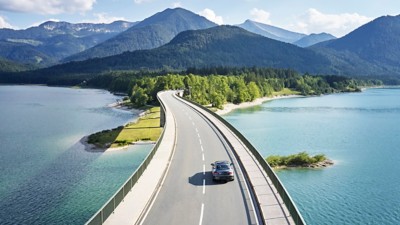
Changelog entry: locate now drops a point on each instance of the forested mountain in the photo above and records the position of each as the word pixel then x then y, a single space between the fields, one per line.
pixel 272 32
pixel 313 39
pixel 216 46
pixel 51 41
pixel 152 32
pixel 9 66
pixel 372 49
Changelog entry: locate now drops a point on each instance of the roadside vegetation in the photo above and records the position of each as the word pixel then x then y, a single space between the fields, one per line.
pixel 302 159
pixel 146 128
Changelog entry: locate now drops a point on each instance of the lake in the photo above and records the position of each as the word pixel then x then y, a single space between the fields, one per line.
pixel 46 175
pixel 359 131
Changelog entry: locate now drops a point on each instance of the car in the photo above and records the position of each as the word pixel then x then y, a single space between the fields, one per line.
pixel 222 170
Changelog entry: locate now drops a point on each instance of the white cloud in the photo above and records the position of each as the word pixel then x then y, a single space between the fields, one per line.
pixel 210 15
pixel 260 15
pixel 337 24
pixel 103 18
pixel 4 24
pixel 47 6
pixel 176 4
pixel 141 1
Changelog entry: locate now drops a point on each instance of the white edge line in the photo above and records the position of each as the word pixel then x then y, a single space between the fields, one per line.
pixel 165 174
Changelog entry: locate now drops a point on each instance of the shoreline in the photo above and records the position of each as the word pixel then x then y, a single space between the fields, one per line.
pixel 319 165
pixel 93 148
pixel 229 107
pixel 116 105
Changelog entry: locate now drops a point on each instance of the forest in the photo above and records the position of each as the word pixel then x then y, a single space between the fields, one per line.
pixel 218 85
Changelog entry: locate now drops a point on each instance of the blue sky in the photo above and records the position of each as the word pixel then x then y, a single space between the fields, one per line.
pixel 337 17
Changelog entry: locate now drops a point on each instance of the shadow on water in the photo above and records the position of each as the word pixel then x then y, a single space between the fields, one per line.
pixel 197 179
pixel 41 196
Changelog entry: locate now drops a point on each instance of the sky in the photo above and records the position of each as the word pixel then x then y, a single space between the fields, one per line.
pixel 337 17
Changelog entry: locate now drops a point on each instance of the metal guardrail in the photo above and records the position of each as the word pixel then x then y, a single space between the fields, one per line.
pixel 118 197
pixel 294 212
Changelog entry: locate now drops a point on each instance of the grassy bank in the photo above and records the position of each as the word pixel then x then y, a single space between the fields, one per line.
pixel 146 128
pixel 285 91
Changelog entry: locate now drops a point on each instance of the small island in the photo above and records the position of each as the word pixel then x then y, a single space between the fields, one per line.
pixel 301 160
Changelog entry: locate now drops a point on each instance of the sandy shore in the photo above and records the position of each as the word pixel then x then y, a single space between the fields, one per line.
pixel 229 107
pixel 94 148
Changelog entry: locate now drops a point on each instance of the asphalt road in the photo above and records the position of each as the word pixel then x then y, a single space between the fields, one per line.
pixel 188 194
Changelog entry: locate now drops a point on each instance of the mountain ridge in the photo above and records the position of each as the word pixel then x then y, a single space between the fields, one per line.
pixel 152 32
pixel 51 41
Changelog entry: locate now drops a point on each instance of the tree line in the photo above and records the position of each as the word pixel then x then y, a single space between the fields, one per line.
pixel 216 86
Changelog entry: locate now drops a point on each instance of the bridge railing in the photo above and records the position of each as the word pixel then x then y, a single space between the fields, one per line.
pixel 294 212
pixel 109 207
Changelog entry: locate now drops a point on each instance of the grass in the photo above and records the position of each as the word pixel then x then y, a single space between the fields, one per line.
pixel 146 128
pixel 285 91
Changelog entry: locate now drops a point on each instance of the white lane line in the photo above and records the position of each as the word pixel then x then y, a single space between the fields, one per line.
pixel 204 186
pixel 201 214
pixel 198 135
pixel 200 141
pixel 197 131
pixel 204 169
pixel 203 156
pixel 202 149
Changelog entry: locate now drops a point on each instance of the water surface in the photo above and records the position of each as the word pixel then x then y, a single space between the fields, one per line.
pixel 46 175
pixel 359 131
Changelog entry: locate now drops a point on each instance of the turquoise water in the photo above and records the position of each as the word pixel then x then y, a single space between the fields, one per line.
pixel 46 176
pixel 359 131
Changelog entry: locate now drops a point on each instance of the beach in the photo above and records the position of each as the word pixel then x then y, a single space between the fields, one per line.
pixel 229 107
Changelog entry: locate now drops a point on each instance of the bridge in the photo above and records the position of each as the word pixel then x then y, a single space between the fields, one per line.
pixel 174 184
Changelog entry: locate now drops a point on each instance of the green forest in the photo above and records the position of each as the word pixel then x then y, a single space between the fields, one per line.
pixel 216 86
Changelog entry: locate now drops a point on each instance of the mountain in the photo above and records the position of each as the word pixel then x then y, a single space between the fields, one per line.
pixel 216 46
pixel 272 32
pixel 152 32
pixel 9 66
pixel 373 48
pixel 51 41
pixel 313 39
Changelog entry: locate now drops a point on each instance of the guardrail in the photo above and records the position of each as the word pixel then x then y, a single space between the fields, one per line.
pixel 294 212
pixel 118 197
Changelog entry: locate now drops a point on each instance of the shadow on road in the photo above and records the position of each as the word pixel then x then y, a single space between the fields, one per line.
pixel 197 179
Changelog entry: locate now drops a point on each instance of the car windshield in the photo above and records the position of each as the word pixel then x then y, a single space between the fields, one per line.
pixel 223 167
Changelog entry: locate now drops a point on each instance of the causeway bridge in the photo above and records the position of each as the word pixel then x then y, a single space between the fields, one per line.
pixel 174 184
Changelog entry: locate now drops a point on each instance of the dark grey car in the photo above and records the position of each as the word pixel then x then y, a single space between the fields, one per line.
pixel 222 170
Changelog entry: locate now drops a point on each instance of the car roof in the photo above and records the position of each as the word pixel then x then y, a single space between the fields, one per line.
pixel 222 162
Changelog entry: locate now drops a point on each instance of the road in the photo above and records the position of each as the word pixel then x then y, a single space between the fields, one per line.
pixel 188 195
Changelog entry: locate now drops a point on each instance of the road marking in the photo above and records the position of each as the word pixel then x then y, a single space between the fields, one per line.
pixel 198 135
pixel 201 214
pixel 203 156
pixel 204 169
pixel 197 130
pixel 202 149
pixel 204 186
pixel 200 141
